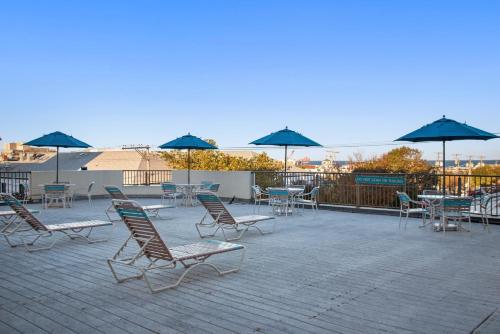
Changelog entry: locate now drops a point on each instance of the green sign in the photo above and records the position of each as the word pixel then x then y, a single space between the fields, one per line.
pixel 381 180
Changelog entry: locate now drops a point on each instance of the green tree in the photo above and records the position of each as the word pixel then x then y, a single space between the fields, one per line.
pixel 399 160
pixel 217 160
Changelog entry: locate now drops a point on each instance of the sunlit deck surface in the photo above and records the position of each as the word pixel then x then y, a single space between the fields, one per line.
pixel 333 272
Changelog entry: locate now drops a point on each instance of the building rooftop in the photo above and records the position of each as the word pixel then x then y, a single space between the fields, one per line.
pixel 333 272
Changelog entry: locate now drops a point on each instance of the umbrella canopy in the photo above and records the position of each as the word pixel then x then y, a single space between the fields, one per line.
pixel 57 139
pixel 188 142
pixel 444 130
pixel 285 137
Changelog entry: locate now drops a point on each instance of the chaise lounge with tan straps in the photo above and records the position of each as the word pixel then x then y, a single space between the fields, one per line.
pixel 116 193
pixel 30 229
pixel 154 254
pixel 223 220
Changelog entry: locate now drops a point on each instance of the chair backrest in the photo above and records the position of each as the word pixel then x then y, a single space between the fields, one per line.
pixel 215 207
pixel 280 193
pixel 22 212
pixel 168 187
pixel 115 192
pixel 54 188
pixel 315 193
pixel 142 229
pixel 403 198
pixel 456 204
pixel 90 186
pixel 214 187
pixel 205 184
pixel 257 192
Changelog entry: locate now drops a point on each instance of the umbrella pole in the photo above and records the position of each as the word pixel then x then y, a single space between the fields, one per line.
pixel 189 166
pixel 444 168
pixel 286 154
pixel 57 164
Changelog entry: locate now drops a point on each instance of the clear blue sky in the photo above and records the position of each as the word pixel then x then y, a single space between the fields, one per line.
pixel 341 72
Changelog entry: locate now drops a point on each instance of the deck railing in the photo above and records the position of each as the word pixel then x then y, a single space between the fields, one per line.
pixel 343 188
pixel 146 177
pixel 17 183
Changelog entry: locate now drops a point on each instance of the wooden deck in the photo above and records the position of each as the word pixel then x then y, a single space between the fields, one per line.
pixel 333 272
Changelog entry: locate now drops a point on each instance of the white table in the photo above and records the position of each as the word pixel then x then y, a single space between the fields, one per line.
pixel 434 201
pixel 188 190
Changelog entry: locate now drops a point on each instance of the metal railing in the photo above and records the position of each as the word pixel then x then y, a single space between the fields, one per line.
pixel 146 177
pixel 342 189
pixel 17 183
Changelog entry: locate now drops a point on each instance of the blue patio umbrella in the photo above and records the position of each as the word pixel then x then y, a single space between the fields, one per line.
pixel 444 130
pixel 285 137
pixel 57 139
pixel 188 142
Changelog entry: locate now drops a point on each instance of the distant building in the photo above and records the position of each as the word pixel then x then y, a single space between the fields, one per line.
pixel 25 153
pixel 88 160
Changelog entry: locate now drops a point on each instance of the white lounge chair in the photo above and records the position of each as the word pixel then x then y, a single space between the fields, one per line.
pixel 222 218
pixel 116 193
pixel 153 253
pixel 29 229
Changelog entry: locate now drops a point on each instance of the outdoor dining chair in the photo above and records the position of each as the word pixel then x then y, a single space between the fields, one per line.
pixel 89 192
pixel 280 201
pixel 310 198
pixel 489 205
pixel 54 194
pixel 170 193
pixel 259 195
pixel 205 184
pixel 408 206
pixel 214 187
pixel 455 210
pixel 153 253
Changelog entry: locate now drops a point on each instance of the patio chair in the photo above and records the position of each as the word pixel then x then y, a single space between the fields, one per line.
pixel 116 193
pixel 221 218
pixel 29 227
pixel 205 184
pixel 489 205
pixel 407 207
pixel 89 192
pixel 310 198
pixel 280 201
pixel 214 187
pixel 54 193
pixel 259 195
pixel 170 193
pixel 154 254
pixel 454 209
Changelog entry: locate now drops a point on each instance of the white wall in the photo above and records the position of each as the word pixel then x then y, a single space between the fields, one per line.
pixel 80 179
pixel 231 183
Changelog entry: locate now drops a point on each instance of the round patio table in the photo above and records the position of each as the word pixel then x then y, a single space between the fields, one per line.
pixel 189 189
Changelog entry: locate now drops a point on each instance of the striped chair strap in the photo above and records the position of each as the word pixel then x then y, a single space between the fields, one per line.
pixel 142 229
pixel 23 212
pixel 215 208
pixel 115 193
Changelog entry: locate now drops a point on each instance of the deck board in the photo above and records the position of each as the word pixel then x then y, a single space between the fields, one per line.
pixel 330 272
